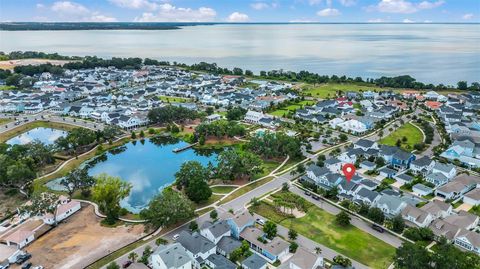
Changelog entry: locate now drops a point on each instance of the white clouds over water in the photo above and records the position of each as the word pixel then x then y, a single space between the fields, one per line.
pixel 72 11
pixel 328 12
pixel 403 6
pixel 169 13
pixel 238 17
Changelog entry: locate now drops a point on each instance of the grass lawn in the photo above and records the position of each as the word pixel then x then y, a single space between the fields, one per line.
pixel 457 204
pixel 173 99
pixel 3 121
pixel 6 88
pixel 412 133
pixel 389 181
pixel 223 189
pixel 284 110
pixel 320 226
pixel 242 190
pixel 330 89
pixel 475 210
pixel 211 200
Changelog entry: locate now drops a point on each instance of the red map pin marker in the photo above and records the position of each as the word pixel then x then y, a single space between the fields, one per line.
pixel 348 170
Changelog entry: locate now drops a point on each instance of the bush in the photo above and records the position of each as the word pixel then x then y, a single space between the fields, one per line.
pixel 418 234
pixel 293 247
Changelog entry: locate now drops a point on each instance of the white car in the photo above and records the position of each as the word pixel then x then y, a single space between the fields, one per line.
pixel 260 221
pixel 38 267
pixel 175 237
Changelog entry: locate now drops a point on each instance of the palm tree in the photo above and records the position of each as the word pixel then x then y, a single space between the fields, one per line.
pixel 318 250
pixel 133 256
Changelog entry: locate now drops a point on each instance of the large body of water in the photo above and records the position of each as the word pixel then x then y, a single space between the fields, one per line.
pixel 45 135
pixel 436 53
pixel 149 166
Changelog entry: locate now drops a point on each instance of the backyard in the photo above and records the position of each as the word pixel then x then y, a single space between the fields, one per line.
pixel 412 134
pixel 329 90
pixel 320 226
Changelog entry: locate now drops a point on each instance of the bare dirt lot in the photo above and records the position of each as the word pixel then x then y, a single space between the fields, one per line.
pixel 79 241
pixel 10 64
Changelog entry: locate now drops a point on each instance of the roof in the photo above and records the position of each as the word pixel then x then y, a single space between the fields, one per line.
pixel 228 244
pixel 405 177
pixel 242 218
pixel 221 262
pixel 475 194
pixel 418 214
pixel 195 243
pixel 365 143
pixel 423 161
pixel 440 227
pixel 422 187
pixel 388 150
pixel 446 168
pixel 387 170
pixel 368 194
pixel 402 155
pixel 219 228
pixel 368 163
pixel 472 237
pixel 317 170
pixel 462 220
pixel 435 206
pixel 304 259
pixel 392 202
pixel 19 236
pixel 174 255
pixel 274 247
pixel 254 262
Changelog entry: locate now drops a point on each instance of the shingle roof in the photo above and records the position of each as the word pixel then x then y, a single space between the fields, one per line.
pixel 254 262
pixel 365 143
pixel 228 244
pixel 195 243
pixel 219 228
pixel 423 161
pixel 221 262
pixel 174 256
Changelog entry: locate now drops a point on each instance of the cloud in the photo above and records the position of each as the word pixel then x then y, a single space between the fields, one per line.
pixel 328 12
pixel 238 17
pixel 259 5
pixel 403 6
pixel 135 4
pixel 408 21
pixel 467 16
pixel 40 6
pixel 314 2
pixel 71 11
pixel 348 3
pixel 376 20
pixel 169 13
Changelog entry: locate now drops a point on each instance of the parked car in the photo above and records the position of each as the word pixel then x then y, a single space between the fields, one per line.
pixel 175 237
pixel 316 197
pixel 378 228
pixel 38 267
pixel 260 221
pixel 23 257
pixel 126 264
pixel 307 193
pixel 27 265
pixel 4 265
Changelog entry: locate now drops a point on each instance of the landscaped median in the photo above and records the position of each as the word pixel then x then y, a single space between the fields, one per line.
pixel 408 135
pixel 319 226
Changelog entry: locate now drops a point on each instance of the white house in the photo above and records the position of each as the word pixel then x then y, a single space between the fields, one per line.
pixel 171 256
pixel 472 197
pixel 197 247
pixel 65 209
pixel 417 216
pixel 468 240
pixel 447 170
pixel 216 231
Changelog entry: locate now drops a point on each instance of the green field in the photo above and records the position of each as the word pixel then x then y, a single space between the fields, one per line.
pixel 412 133
pixel 320 226
pixel 172 99
pixel 284 110
pixel 330 89
pixel 223 189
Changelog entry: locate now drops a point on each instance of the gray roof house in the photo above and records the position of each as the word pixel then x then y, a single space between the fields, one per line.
pixel 366 196
pixel 196 246
pixel 227 245
pixel 254 262
pixel 216 231
pixel 216 261
pixel 390 205
pixel 170 256
pixel 304 259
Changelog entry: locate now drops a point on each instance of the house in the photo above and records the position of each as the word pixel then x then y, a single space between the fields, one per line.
pixel 366 196
pixel 433 105
pixel 468 240
pixel 438 179
pixel 19 238
pixel 465 151
pixel 422 166
pixel 390 205
pixel 171 256
pixel 197 247
pixel 367 165
pixel 354 126
pixel 272 250
pixel 254 262
pixel 216 231
pixel 65 209
pixel 227 245
pixel 416 216
pixel 472 197
pixel 448 170
pixel 333 164
pixel 402 159
pixel 404 178
pixel 457 187
pixel 216 261
pixel 322 177
pixel 387 172
pixel 239 222
pixel 365 144
pixel 421 189
pixel 438 209
pixel 441 228
pixel 463 220
pixel 213 117
pixel 304 259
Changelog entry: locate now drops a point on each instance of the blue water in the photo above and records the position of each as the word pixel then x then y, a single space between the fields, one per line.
pixel 44 135
pixel 148 166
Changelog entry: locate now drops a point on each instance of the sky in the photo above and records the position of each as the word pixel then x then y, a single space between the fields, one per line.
pixel 406 11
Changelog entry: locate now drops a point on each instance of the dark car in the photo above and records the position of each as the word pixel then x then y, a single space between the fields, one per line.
pixel 307 193
pixel 316 197
pixel 27 265
pixel 23 257
pixel 126 264
pixel 378 228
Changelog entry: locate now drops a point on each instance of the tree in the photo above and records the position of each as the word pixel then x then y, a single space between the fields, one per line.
pixel 77 179
pixel 412 256
pixel 270 229
pixel 236 113
pixel 292 234
pixel 376 214
pixel 168 207
pixel 209 110
pixel 133 256
pixel 462 85
pixel 42 204
pixel 234 164
pixel 107 192
pixel 193 226
pixel 198 190
pixel 142 134
pixel 318 250
pixel 418 234
pixel 285 187
pixel 113 265
pixel 342 218
pixel 191 171
pixel 213 214
pixel 398 224
pixel 293 247
pixel 133 135
pixel 343 261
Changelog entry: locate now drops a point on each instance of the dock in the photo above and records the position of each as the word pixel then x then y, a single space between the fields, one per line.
pixel 177 150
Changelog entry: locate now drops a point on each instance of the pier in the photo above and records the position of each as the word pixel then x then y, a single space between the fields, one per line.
pixel 177 150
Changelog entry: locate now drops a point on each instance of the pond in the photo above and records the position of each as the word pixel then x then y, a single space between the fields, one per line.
pixel 149 166
pixel 44 135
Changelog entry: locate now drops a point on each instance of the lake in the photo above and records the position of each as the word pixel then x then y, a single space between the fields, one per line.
pixel 44 135
pixel 149 166
pixel 436 53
